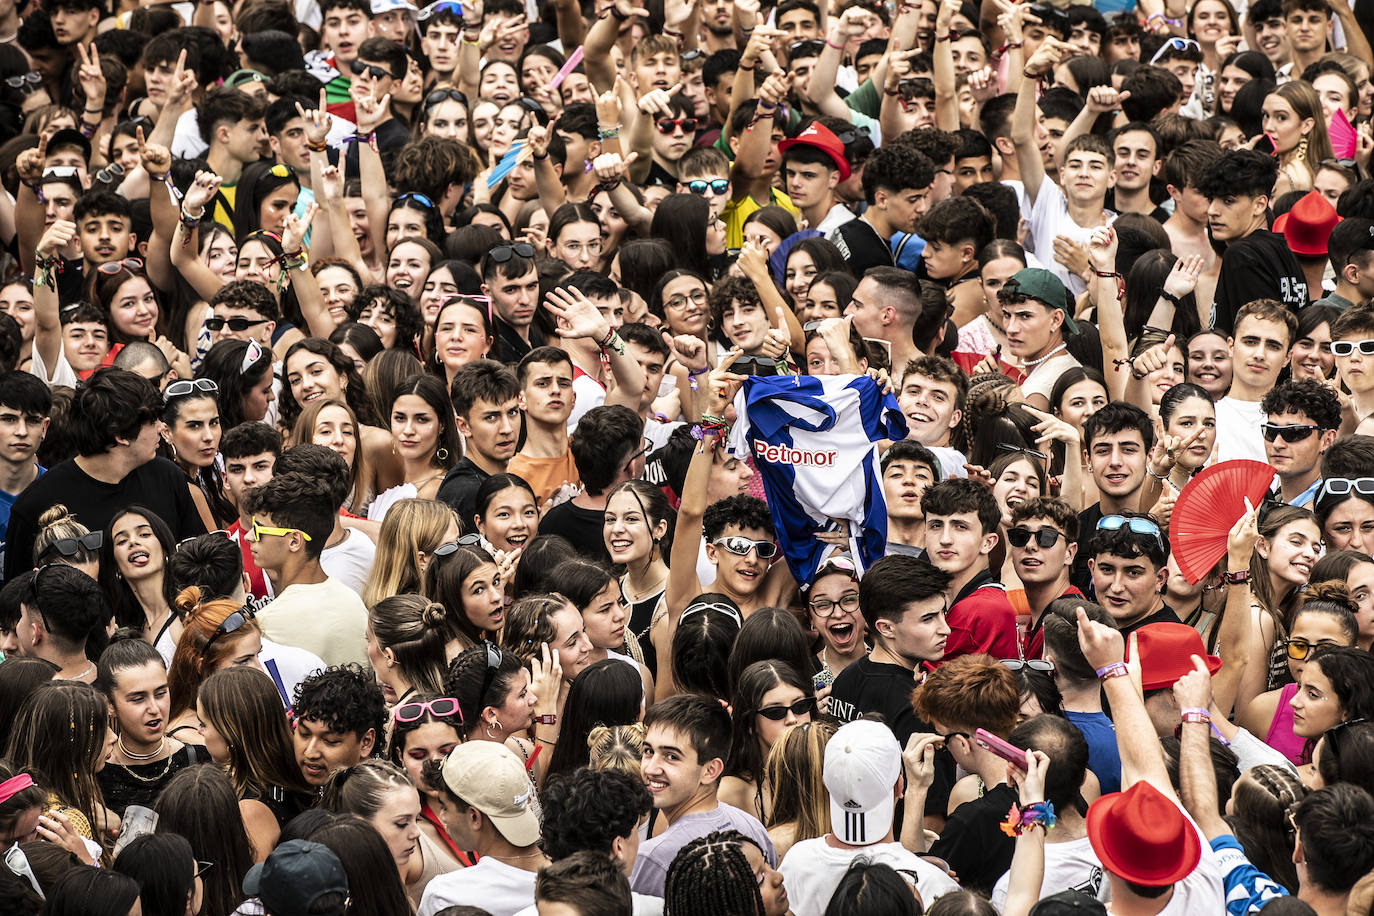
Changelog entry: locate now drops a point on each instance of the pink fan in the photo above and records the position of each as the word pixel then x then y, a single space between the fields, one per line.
pixel 1342 135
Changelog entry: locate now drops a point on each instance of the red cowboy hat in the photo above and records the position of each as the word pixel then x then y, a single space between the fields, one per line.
pixel 1308 225
pixel 1141 836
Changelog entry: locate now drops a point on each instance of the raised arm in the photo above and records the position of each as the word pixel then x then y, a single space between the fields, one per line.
pixel 1197 780
pixel 748 176
pixel 371 113
pixel 1111 320
pixel 572 28
pixel 1356 42
pixel 610 172
pixel 29 213
pixel 578 317
pixel 755 266
pixel 180 97
pixel 1027 873
pixel 683 584
pixel 820 89
pixel 596 51
pixel 184 247
pixel 329 193
pixel 296 262
pixel 1101 99
pixel 1239 645
pixel 1142 759
pixel 552 194
pixel 47 334
pixel 946 96
pixel 156 162
pixel 1023 132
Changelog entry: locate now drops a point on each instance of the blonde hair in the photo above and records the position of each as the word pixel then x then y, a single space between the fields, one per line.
pixel 616 747
pixel 794 774
pixel 56 523
pixel 411 526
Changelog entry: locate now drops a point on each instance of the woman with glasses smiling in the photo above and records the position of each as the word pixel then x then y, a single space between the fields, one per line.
pixel 1325 619
pixel 833 608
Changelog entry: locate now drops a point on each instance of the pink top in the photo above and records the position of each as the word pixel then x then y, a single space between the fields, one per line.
pixel 1280 735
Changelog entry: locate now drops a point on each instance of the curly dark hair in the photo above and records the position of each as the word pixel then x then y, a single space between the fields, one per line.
pixel 1305 396
pixel 346 699
pixel 724 294
pixel 741 511
pixel 410 324
pixel 588 809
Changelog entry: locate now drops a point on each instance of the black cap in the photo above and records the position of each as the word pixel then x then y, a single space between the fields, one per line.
pixel 296 875
pixel 1069 903
pixel 69 136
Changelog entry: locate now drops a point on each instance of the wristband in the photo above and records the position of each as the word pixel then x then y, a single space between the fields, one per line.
pixel 546 719
pixel 945 37
pixel 748 69
pixel 472 41
pixel 830 44
pixel 1148 470
pixel 1168 297
pixel 1196 714
pixel 1115 669
pixel 608 133
pixel 317 147
pixel 1022 818
pixel 99 111
pixel 618 15
pixel 538 157
pixel 1240 577
pixel 673 33
pixel 695 372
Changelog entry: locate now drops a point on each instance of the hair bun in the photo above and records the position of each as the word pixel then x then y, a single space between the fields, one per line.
pixel 433 614
pixel 54 514
pixel 187 601
pixel 1332 590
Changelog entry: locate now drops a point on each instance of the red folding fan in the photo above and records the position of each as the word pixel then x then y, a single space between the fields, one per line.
pixel 1207 508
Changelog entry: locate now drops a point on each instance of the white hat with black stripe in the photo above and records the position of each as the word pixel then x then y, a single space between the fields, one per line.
pixel 862 764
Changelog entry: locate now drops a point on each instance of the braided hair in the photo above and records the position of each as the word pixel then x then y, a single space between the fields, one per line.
pixel 711 876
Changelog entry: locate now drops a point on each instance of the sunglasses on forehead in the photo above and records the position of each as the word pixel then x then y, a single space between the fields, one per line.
pixel 503 253
pixel 445 95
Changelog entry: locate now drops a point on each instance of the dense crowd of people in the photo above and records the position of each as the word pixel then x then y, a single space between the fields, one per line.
pixel 704 458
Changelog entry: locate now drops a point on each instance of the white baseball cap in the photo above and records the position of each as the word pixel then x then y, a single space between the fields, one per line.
pixel 387 6
pixel 862 764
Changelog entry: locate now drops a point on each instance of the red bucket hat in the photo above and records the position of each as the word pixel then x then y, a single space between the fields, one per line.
pixel 1166 654
pixel 1140 836
pixel 1308 225
pixel 822 138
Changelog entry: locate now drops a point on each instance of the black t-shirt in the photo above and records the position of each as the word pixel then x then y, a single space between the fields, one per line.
pixel 868 686
pixel 582 528
pixel 459 490
pixel 861 246
pixel 1259 266
pixel 973 842
pixel 159 485
pixel 1163 615
pixel 1080 575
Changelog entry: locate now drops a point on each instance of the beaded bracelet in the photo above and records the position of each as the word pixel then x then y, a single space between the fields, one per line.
pixel 1020 819
pixel 610 133
pixel 317 147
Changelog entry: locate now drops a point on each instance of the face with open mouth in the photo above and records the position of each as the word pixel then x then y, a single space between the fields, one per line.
pixel 1290 552
pixel 137 551
pixel 510 519
pixel 141 703
pixel 484 601
pixel 626 527
pixel 1018 481
pixel 321 752
pixel 834 606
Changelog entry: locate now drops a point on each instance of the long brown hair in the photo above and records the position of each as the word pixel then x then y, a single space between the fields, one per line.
pixel 358 476
pixel 60 733
pixel 243 705
pixel 1279 606
pixel 191 663
pixel 794 776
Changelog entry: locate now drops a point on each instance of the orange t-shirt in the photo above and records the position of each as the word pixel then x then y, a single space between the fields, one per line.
pixel 544 474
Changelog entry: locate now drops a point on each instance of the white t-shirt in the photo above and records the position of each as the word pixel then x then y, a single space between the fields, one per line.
pixel 1043 376
pixel 1068 866
pixel 835 217
pixel 1202 891
pixel 291 664
pixel 61 374
pixel 491 885
pixel 327 618
pixel 590 393
pixel 812 869
pixel 1238 430
pixel 642 905
pixel 952 461
pixel 1049 219
pixel 350 560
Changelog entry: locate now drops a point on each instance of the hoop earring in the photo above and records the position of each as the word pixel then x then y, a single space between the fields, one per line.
pixel 441 454
pixel 486 727
pixel 171 445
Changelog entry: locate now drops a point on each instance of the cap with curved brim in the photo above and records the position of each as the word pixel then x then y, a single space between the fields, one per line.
pixel 1141 836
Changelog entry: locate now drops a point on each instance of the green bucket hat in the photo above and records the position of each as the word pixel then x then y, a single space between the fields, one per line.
pixel 1038 283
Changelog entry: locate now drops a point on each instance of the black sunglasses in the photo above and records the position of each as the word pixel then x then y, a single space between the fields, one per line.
pixel 372 70
pixel 234 621
pixel 806 706
pixel 493 665
pixel 467 540
pixel 1296 432
pixel 69 547
pixel 503 253
pixel 238 323
pixel 445 95
pixel 1045 538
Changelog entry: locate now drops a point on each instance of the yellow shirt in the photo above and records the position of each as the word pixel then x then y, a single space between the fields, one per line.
pixel 735 212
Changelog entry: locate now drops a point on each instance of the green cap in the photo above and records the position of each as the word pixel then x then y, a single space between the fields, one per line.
pixel 239 77
pixel 1038 283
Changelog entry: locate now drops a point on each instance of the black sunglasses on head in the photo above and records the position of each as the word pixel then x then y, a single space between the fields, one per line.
pixel 467 540
pixel 69 547
pixel 503 253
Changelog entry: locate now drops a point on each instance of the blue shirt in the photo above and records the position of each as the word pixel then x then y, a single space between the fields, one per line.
pixel 6 503
pixel 1103 758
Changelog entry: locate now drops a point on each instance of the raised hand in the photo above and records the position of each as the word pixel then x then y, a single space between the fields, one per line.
pixel 331 183
pixel 918 759
pixel 546 679
pixel 773 90
pixel 156 158
pixel 776 340
pixel 1102 99
pixel 1030 782
pixel 688 350
pixel 1047 56
pixel 538 140
pixel 316 122
pixel 183 85
pixel 30 162
pixel 55 239
pixel 91 77
pixel 1053 429
pixel 983 84
pixel 1240 540
pixel 658 101
pixel 294 229
pixel 577 316
pixel 201 192
pixel 610 167
pixel 1153 359
pixel 1073 255
pixel 1194 689
pixel 722 384
pixel 1183 276
pixel 371 112
pixel 753 261
pixel 1102 248
pixel 1102 645
pixel 608 104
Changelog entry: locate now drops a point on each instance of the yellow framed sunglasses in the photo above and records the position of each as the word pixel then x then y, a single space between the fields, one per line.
pixel 257 531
